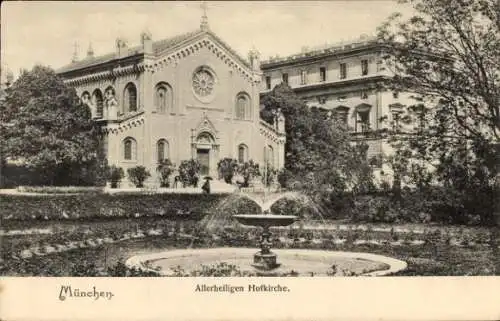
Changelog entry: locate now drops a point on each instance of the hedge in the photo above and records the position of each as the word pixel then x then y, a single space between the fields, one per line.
pixel 50 207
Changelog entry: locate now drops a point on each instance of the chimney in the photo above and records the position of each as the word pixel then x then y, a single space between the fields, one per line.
pixel 121 48
pixel 147 42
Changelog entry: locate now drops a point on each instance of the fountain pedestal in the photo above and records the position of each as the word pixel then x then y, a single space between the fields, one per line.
pixel 265 261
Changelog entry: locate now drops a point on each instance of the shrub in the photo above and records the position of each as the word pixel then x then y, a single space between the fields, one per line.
pixel 248 170
pixel 115 175
pixel 189 171
pixel 138 175
pixel 227 168
pixel 165 168
pixel 284 176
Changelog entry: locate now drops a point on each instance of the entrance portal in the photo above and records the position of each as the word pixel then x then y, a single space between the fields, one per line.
pixel 203 156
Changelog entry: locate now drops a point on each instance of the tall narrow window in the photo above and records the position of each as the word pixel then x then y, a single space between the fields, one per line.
pixel 163 98
pixel 243 110
pixel 363 121
pixel 268 82
pixel 343 71
pixel 269 155
pixel 285 78
pixel 303 77
pixel 242 153
pixel 98 102
pixel 130 98
pixel 162 150
pixel 322 74
pixel 129 148
pixel 364 67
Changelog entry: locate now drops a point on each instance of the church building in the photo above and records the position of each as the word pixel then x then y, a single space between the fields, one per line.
pixel 187 97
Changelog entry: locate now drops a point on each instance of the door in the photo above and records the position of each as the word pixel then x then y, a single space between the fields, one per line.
pixel 203 156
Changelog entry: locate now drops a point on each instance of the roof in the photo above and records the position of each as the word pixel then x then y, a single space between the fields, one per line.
pixel 158 47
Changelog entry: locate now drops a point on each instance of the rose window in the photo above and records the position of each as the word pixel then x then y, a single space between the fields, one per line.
pixel 203 83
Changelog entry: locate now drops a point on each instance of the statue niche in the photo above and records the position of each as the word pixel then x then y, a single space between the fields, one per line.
pixel 111 104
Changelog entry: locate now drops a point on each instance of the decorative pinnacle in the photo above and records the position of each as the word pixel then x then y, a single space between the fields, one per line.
pixel 90 50
pixel 204 18
pixel 75 52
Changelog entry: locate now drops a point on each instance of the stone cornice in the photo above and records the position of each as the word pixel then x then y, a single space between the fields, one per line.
pixel 172 56
pixel 270 133
pixel 110 74
pixel 121 125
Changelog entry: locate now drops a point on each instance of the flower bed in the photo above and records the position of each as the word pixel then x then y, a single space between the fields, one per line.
pixel 22 207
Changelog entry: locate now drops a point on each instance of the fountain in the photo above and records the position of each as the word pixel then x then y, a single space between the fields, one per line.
pixel 265 261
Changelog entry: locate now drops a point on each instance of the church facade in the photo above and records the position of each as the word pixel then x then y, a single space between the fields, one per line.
pixel 187 97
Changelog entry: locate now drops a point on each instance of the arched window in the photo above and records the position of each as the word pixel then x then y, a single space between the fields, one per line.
pixel 242 108
pixel 163 98
pixel 242 153
pixel 98 102
pixel 269 155
pixel 129 148
pixel 130 98
pixel 162 150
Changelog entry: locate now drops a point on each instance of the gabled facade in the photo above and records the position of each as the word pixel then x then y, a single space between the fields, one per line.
pixel 190 96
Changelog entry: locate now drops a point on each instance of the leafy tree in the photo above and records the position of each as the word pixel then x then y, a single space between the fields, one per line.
pixel 165 168
pixel 248 170
pixel 227 168
pixel 138 175
pixel 115 175
pixel 189 171
pixel 447 55
pixel 44 125
pixel 319 151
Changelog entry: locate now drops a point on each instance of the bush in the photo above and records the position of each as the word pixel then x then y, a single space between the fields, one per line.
pixel 115 175
pixel 138 175
pixel 248 170
pixel 165 168
pixel 284 177
pixel 59 189
pixel 189 171
pixel 227 168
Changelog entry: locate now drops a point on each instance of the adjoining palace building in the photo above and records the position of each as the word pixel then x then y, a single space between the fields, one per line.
pixel 347 79
pixel 190 96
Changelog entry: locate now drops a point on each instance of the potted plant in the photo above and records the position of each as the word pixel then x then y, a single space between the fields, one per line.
pixel 189 172
pixel 165 168
pixel 115 175
pixel 138 175
pixel 227 167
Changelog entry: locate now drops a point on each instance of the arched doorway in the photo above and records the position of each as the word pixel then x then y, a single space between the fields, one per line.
pixel 205 148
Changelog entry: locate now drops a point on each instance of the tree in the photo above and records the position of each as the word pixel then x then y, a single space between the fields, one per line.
pixel 165 168
pixel 227 167
pixel 46 127
pixel 138 175
pixel 447 55
pixel 189 171
pixel 319 151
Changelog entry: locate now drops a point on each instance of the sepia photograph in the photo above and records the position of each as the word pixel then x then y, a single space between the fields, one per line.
pixel 249 139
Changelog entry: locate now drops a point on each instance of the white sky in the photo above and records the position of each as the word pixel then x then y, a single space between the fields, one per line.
pixel 45 32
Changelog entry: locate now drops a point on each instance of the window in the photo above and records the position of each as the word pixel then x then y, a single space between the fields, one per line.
pixel 285 78
pixel 364 95
pixel 242 107
pixel 130 98
pixel 364 67
pixel 242 153
pixel 341 114
pixel 162 150
pixel 163 98
pixel 322 74
pixel 268 82
pixel 129 148
pixel 303 77
pixel 98 102
pixel 343 71
pixel 269 155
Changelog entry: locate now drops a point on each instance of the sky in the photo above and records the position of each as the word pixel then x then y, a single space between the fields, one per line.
pixel 45 32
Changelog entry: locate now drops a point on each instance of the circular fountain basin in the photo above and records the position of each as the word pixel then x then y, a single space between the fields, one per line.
pixel 265 220
pixel 303 262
